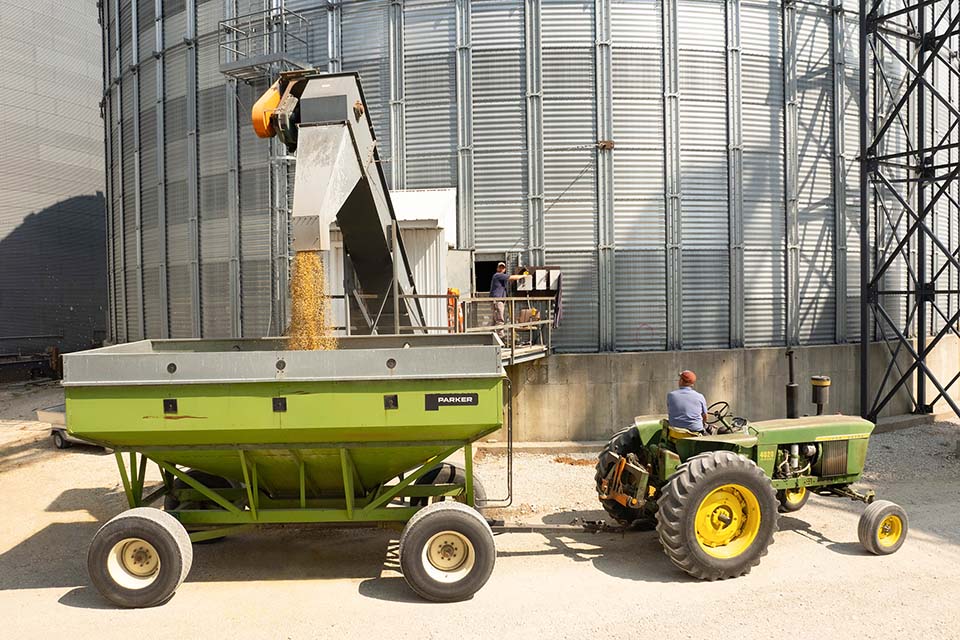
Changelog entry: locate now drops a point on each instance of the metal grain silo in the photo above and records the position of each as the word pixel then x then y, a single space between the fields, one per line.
pixel 689 164
pixel 52 237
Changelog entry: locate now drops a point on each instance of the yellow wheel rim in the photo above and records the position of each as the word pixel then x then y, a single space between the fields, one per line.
pixel 890 530
pixel 796 496
pixel 728 521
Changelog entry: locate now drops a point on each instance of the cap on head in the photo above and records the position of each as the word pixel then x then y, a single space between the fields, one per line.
pixel 501 265
pixel 688 378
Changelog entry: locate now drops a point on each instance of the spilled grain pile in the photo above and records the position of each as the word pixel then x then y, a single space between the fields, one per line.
pixel 310 318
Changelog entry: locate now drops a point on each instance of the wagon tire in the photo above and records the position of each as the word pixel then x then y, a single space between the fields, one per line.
pixel 449 473
pixel 59 441
pixel 447 552
pixel 139 558
pixel 883 527
pixel 717 515
pixel 171 502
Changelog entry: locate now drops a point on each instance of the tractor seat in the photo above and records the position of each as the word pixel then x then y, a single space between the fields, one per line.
pixel 679 433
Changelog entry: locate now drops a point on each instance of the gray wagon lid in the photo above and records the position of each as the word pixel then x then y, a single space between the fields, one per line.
pixel 203 361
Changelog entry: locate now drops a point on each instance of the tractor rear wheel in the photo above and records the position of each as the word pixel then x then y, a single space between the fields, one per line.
pixel 792 499
pixel 717 515
pixel 623 442
pixel 883 527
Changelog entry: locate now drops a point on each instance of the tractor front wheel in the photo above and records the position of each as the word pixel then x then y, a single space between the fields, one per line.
pixel 792 499
pixel 882 528
pixel 717 515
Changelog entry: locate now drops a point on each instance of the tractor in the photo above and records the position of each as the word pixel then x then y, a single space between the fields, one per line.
pixel 715 499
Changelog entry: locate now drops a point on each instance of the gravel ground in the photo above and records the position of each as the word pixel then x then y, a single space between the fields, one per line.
pixel 306 583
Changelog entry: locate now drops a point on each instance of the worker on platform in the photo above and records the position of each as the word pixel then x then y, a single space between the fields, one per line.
pixel 686 407
pixel 499 286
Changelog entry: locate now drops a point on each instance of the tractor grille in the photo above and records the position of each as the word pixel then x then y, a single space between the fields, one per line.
pixel 834 458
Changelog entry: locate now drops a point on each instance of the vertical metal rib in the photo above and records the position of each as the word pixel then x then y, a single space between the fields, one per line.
pixel 838 45
pixel 233 194
pixel 671 175
pixel 603 74
pixel 137 182
pixel 534 81
pixel 161 186
pixel 193 170
pixel 464 72
pixel 791 169
pixel 397 114
pixel 735 171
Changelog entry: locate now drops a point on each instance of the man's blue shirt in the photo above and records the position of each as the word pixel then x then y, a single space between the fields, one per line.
pixel 685 408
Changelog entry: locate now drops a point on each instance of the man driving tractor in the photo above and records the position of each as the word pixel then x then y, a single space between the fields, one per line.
pixel 686 407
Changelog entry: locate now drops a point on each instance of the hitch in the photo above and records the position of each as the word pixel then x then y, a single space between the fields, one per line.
pixel 865 497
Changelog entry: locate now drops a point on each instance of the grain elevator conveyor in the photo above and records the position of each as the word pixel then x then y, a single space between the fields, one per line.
pixel 324 120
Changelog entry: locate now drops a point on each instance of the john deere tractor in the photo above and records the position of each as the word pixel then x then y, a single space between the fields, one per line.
pixel 714 499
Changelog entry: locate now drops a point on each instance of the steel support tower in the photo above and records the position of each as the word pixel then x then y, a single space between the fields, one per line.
pixel 910 205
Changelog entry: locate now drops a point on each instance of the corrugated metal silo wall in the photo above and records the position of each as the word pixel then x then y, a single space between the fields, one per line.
pixel 726 215
pixel 53 288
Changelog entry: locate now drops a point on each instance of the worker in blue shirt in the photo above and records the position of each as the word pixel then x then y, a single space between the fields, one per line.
pixel 499 286
pixel 686 407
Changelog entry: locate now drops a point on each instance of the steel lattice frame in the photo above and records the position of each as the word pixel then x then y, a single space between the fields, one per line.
pixel 909 161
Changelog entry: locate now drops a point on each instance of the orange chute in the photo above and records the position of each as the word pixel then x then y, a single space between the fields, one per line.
pixel 263 108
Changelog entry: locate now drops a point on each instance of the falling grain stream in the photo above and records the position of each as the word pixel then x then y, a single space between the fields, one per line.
pixel 310 328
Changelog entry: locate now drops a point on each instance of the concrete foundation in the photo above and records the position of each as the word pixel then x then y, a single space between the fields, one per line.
pixel 588 397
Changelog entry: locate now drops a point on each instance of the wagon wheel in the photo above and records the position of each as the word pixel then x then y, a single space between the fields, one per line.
pixel 171 502
pixel 447 552
pixel 139 558
pixel 449 473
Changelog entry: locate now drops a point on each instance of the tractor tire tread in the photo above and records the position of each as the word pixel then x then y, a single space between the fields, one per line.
pixel 870 520
pixel 621 443
pixel 676 501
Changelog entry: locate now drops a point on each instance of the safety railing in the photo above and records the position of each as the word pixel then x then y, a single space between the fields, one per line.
pixel 250 44
pixel 526 329
pixel 524 324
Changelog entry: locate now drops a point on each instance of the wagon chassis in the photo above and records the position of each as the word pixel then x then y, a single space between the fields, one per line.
pixel 253 504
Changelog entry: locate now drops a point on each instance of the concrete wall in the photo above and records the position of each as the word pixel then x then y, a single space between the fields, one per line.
pixel 588 397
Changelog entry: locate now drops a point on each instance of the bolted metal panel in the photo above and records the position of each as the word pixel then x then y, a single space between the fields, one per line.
pixel 570 211
pixel 764 230
pixel 579 331
pixel 364 33
pixel 639 302
pixel 816 219
pixel 179 251
pixel 705 253
pixel 54 259
pixel 430 93
pixel 500 155
pixel 256 266
pixel 848 99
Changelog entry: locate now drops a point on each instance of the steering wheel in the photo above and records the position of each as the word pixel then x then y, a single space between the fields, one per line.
pixel 719 411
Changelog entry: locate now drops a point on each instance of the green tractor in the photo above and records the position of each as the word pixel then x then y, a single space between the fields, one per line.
pixel 715 498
